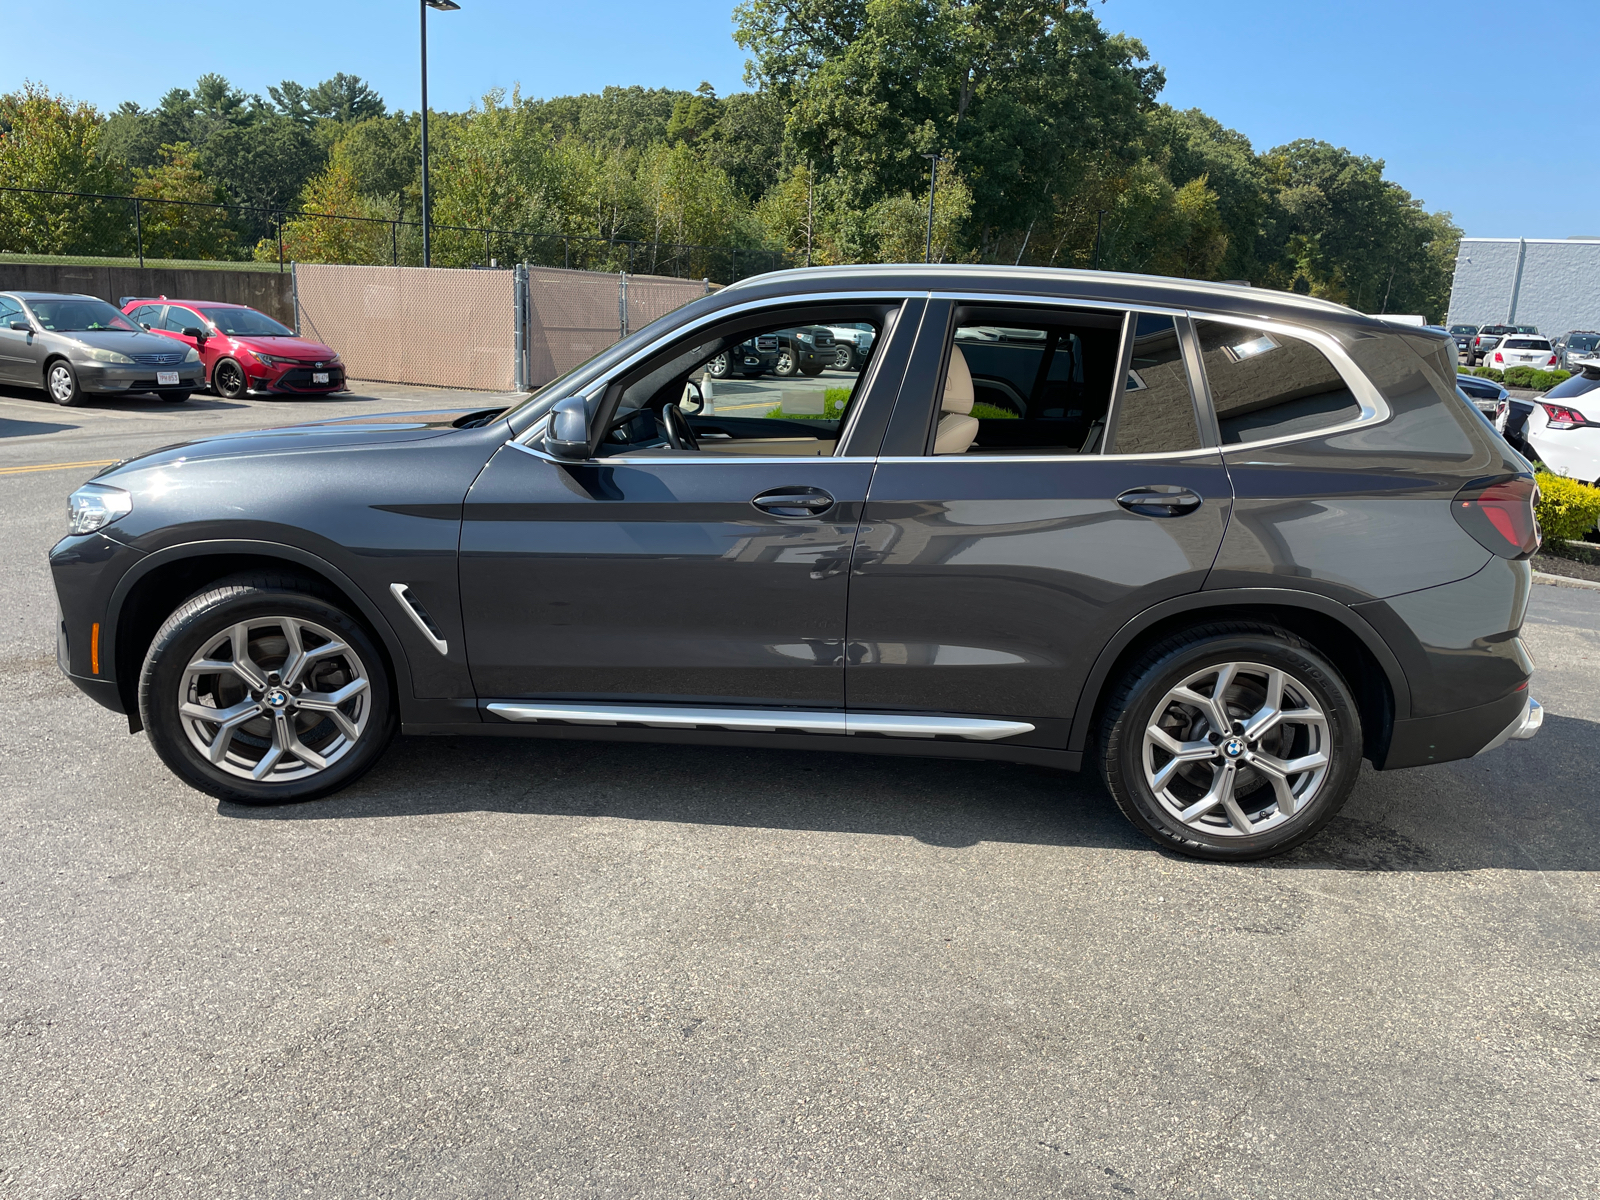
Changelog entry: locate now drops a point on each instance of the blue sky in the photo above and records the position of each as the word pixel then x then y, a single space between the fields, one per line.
pixel 1421 84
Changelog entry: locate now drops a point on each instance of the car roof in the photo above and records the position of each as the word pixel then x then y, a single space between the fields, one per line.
pixel 1107 286
pixel 51 295
pixel 191 303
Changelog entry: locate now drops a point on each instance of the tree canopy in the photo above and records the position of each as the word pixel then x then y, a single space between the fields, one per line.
pixel 1054 150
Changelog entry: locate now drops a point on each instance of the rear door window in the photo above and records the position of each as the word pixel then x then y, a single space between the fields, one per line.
pixel 1156 413
pixel 1270 385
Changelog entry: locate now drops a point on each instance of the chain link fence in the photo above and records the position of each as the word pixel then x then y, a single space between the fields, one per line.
pixel 81 225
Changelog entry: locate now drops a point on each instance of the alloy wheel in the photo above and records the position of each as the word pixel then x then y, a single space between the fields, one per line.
pixel 841 358
pixel 785 363
pixel 1236 749
pixel 62 386
pixel 275 699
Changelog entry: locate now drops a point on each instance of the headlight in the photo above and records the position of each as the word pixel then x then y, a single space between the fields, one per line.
pixel 334 359
pixel 96 505
pixel 99 355
pixel 806 338
pixel 192 356
pixel 271 360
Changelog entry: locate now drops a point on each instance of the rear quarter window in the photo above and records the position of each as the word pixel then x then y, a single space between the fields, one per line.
pixel 1270 385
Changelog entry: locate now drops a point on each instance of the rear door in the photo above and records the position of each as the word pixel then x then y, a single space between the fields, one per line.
pixel 15 355
pixel 989 575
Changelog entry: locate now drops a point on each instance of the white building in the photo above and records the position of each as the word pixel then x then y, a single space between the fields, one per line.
pixel 1549 282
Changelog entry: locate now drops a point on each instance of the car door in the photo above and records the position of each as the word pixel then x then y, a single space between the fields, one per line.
pixel 1015 523
pixel 647 575
pixel 15 354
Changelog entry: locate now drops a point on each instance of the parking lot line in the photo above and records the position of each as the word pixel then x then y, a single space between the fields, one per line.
pixel 103 462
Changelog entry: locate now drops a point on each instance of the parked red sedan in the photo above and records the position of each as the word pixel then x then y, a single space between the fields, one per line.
pixel 244 351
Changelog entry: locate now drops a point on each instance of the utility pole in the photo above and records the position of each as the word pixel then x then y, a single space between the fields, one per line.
pixel 1099 216
pixel 933 182
pixel 427 208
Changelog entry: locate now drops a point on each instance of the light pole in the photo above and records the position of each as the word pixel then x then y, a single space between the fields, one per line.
pixel 427 211
pixel 1100 215
pixel 933 181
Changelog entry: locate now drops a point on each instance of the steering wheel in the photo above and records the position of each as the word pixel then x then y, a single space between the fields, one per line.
pixel 676 427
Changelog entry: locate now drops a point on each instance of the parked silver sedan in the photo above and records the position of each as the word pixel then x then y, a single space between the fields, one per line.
pixel 72 346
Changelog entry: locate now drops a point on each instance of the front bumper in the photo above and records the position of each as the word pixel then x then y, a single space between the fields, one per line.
pixel 137 377
pixel 294 380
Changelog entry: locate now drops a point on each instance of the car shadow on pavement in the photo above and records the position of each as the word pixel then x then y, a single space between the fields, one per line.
pixel 11 429
pixel 1527 806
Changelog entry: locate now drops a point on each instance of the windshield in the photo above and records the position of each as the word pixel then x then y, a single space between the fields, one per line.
pixel 244 322
pixel 1460 329
pixel 1584 342
pixel 80 315
pixel 1526 343
pixel 1524 329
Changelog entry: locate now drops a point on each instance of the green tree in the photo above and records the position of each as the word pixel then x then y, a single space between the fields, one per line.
pixel 50 143
pixel 329 229
pixel 175 217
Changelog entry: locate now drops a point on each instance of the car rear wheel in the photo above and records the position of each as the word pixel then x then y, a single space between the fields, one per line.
pixel 844 358
pixel 785 365
pixel 1231 742
pixel 61 381
pixel 260 691
pixel 719 367
pixel 227 379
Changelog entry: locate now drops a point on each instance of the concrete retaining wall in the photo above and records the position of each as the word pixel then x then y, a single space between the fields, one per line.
pixel 269 291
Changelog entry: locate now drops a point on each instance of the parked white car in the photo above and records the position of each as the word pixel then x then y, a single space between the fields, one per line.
pixel 853 343
pixel 1564 427
pixel 1523 350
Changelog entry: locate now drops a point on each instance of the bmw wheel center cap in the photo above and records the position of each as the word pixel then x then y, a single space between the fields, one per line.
pixel 277 697
pixel 1233 747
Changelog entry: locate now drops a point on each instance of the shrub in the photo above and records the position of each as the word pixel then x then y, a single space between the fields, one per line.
pixel 1487 373
pixel 1532 377
pixel 1567 509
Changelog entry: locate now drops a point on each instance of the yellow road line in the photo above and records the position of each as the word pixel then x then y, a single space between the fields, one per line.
pixel 104 462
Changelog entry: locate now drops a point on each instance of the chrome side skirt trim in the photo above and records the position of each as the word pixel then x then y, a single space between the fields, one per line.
pixel 762 720
pixel 412 609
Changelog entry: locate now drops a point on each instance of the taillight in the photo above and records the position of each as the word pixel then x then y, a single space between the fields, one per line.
pixel 1552 361
pixel 1558 416
pixel 1500 409
pixel 1497 357
pixel 1498 513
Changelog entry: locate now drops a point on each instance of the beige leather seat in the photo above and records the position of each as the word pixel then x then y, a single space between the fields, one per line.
pixel 957 427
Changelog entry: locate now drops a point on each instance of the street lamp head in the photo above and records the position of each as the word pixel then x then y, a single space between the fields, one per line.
pixel 442 5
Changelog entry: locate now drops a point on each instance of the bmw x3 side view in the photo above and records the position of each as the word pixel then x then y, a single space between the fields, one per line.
pixel 1218 544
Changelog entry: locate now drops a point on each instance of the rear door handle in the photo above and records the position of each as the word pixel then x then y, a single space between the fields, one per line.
pixel 794 502
pixel 1160 500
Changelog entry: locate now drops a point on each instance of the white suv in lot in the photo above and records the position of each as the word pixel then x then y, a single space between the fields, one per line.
pixel 1523 350
pixel 1564 426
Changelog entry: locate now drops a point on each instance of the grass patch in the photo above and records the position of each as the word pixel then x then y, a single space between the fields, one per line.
pixel 169 264
pixel 833 404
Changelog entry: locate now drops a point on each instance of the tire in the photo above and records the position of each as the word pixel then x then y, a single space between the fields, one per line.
pixel 61 383
pixel 844 357
pixel 720 367
pixel 812 370
pixel 174 397
pixel 270 718
pixel 785 367
pixel 228 379
pixel 1322 724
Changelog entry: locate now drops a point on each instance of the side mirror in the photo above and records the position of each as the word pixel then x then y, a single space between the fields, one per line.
pixel 21 327
pixel 569 430
pixel 198 335
pixel 693 401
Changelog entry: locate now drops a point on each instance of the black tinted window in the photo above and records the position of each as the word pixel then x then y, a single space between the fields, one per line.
pixel 1270 385
pixel 1156 414
pixel 1578 385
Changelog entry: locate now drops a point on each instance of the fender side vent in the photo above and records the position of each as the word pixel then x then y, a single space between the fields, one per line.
pixel 419 616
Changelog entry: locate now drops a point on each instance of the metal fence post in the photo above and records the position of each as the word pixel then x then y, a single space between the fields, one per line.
pixel 486 247
pixel 622 302
pixel 138 226
pixel 519 309
pixel 280 246
pixel 394 243
pixel 294 297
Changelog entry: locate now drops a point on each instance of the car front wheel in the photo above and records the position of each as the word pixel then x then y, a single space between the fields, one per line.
pixel 718 367
pixel 227 379
pixel 844 358
pixel 1231 742
pixel 261 691
pixel 61 381
pixel 785 366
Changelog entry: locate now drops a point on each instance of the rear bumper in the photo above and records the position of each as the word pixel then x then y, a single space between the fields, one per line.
pixel 1457 735
pixel 1525 725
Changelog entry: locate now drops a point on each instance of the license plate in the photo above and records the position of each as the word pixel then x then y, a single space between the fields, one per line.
pixel 319 377
pixel 166 379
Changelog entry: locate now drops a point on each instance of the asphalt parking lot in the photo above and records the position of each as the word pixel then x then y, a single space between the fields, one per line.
pixel 524 968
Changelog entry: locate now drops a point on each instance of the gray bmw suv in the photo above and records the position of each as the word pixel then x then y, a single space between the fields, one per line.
pixel 72 346
pixel 1215 543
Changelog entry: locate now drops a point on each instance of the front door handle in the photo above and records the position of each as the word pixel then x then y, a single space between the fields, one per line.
pixel 1160 500
pixel 794 502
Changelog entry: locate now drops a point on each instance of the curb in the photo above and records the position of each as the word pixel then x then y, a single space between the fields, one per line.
pixel 1564 581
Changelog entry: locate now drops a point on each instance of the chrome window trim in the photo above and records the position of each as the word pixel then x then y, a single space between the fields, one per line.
pixel 689 458
pixel 587 388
